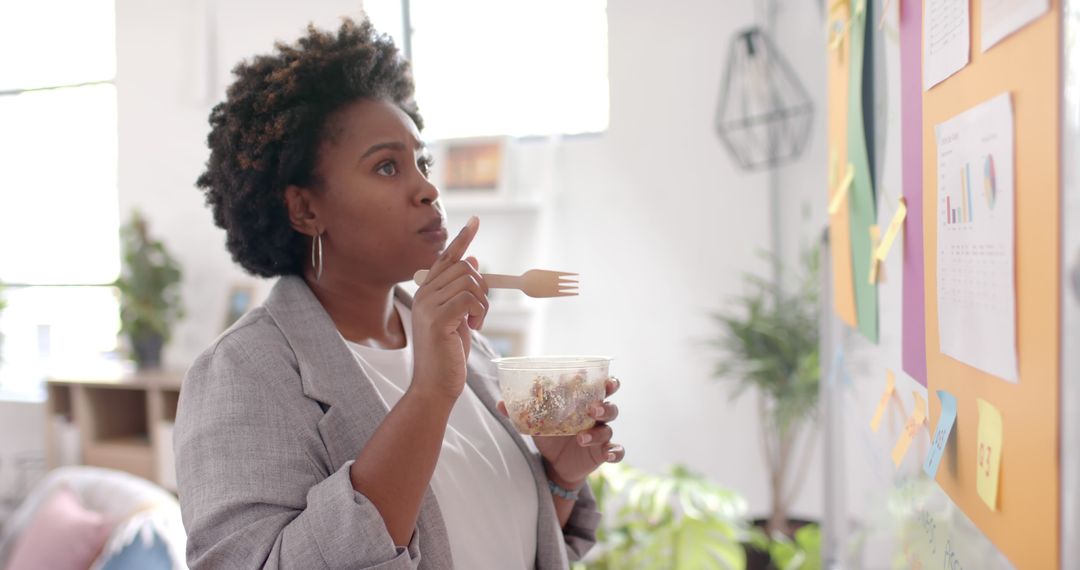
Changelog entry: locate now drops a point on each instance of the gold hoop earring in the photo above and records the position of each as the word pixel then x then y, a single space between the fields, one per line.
pixel 316 256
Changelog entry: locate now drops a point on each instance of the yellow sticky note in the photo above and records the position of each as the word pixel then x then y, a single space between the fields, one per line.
pixel 890 387
pixel 845 185
pixel 882 250
pixel 919 413
pixel 911 427
pixel 989 458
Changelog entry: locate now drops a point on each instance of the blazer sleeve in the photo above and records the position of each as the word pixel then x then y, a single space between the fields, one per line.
pixel 579 532
pixel 251 493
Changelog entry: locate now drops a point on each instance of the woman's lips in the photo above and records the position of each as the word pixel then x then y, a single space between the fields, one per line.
pixel 437 235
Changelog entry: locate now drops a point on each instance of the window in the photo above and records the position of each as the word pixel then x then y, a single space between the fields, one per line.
pixel 59 245
pixel 499 67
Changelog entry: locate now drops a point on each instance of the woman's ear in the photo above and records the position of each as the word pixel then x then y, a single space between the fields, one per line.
pixel 302 214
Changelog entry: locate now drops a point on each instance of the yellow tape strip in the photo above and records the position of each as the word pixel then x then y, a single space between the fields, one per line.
pixel 897 222
pixel 845 186
pixel 890 387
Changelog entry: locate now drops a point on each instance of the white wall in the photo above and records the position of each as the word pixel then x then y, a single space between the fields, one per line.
pixel 800 36
pixel 652 213
pixel 662 225
pixel 162 149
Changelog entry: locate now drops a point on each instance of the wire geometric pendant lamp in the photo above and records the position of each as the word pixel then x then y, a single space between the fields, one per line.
pixel 765 113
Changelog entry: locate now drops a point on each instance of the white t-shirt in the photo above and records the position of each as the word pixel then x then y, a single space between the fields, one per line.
pixel 483 484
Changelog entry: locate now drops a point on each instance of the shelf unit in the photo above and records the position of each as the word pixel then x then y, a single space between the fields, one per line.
pixel 122 421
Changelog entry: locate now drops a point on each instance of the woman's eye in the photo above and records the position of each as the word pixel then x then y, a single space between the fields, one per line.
pixel 425 165
pixel 387 168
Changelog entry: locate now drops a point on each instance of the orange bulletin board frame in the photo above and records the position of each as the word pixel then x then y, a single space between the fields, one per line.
pixel 839 76
pixel 1026 526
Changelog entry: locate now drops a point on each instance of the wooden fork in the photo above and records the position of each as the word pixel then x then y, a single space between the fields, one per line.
pixel 534 282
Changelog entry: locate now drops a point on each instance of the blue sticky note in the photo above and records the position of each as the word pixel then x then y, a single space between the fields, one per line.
pixel 837 362
pixel 941 434
pixel 838 370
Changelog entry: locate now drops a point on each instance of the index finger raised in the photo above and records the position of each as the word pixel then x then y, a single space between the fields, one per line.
pixel 453 252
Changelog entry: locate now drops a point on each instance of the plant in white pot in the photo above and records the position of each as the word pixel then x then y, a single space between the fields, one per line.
pixel 149 286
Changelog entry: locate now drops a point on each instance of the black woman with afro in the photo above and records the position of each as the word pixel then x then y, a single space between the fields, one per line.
pixel 345 423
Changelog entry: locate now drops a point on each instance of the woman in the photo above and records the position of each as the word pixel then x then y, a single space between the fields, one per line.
pixel 344 424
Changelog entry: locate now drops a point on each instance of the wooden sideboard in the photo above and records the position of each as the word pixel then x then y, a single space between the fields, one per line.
pixel 121 421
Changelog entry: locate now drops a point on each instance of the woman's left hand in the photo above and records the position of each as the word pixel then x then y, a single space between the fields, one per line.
pixel 569 459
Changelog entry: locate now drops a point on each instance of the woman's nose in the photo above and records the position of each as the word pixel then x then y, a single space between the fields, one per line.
pixel 428 192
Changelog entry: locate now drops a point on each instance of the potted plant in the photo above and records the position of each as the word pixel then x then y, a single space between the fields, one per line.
pixel 769 341
pixel 801 552
pixel 149 287
pixel 677 520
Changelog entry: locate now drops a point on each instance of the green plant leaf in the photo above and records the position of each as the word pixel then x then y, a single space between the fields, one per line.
pixel 660 499
pixel 809 540
pixel 706 544
pixel 675 520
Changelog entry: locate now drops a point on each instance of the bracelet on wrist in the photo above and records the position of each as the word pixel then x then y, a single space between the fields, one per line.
pixel 563 492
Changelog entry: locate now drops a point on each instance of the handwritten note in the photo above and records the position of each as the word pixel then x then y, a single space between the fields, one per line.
pixel 989 459
pixel 911 427
pixel 890 387
pixel 946 40
pixel 1003 17
pixel 941 433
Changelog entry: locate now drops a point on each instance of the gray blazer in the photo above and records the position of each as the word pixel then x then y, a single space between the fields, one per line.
pixel 270 418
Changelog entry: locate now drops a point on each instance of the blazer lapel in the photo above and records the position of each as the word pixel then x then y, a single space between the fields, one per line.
pixel 328 371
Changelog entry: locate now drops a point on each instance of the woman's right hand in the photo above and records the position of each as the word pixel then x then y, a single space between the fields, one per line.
pixel 452 300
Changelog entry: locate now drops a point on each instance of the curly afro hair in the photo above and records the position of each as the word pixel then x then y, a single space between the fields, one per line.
pixel 266 134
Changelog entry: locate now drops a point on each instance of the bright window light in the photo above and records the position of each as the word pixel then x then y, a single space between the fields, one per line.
pixel 47 43
pixel 59 188
pixel 506 67
pixel 59 242
pixel 51 328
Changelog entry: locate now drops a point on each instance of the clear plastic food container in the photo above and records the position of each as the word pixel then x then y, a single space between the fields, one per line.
pixel 551 395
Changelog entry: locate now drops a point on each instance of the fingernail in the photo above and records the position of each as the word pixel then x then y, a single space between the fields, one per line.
pixel 585 438
pixel 598 411
pixel 472 221
pixel 611 457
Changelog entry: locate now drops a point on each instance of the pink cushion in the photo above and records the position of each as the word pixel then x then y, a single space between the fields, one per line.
pixel 63 535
